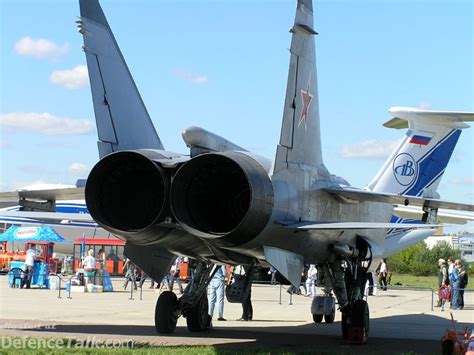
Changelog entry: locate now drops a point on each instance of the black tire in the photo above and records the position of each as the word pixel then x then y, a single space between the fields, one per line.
pixel 198 318
pixel 329 318
pixel 317 318
pixel 360 316
pixel 165 313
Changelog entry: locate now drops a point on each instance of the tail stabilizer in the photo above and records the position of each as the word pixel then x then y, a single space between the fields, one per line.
pixel 416 166
pixel 300 138
pixel 122 119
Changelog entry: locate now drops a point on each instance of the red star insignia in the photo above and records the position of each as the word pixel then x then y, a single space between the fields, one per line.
pixel 306 98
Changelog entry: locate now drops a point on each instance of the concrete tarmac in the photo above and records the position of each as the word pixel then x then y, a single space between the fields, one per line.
pixel 401 320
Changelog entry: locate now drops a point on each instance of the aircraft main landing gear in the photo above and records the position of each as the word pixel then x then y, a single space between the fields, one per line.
pixel 345 275
pixel 197 318
pixel 193 304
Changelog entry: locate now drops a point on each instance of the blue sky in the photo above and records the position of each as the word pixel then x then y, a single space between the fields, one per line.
pixel 222 65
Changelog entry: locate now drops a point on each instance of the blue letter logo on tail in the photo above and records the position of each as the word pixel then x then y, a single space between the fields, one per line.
pixel 404 169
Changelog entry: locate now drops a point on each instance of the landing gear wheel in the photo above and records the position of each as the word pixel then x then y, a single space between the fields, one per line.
pixel 165 313
pixel 358 329
pixel 317 318
pixel 198 318
pixel 329 318
pixel 360 315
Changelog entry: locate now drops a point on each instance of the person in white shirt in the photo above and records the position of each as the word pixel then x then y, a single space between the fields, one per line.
pixel 383 275
pixel 89 266
pixel 311 281
pixel 29 265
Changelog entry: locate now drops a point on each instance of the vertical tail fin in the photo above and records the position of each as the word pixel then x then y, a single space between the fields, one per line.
pixel 416 166
pixel 121 116
pixel 300 142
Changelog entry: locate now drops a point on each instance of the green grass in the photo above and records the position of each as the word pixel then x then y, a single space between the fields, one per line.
pixel 146 349
pixel 415 281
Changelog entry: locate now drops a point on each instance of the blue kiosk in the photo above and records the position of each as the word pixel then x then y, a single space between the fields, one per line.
pixel 44 237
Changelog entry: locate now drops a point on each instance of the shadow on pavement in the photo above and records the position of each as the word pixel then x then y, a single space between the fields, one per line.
pixel 388 335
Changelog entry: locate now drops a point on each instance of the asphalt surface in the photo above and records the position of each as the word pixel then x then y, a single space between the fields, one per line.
pixel 401 321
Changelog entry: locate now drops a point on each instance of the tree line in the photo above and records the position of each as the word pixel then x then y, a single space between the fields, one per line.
pixel 419 260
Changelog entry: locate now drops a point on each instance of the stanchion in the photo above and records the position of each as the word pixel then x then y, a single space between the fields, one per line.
pixel 291 299
pixel 432 300
pixel 70 287
pixel 279 302
pixel 59 280
pixel 131 292
pixel 141 292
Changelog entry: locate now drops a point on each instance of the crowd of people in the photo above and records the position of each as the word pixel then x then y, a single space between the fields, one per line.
pixel 452 280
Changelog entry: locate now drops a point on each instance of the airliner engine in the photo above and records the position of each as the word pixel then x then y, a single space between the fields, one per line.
pixel 226 197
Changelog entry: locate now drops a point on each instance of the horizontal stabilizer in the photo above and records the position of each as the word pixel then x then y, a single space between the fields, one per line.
pixel 49 216
pixel 73 193
pixel 308 225
pixel 402 115
pixel 443 216
pixel 353 196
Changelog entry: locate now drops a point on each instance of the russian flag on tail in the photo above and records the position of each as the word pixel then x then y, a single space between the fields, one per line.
pixel 419 139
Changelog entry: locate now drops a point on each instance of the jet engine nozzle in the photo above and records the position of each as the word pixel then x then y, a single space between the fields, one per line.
pixel 126 193
pixel 225 196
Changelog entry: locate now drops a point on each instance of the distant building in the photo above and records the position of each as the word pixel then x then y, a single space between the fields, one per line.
pixel 462 241
pixel 466 244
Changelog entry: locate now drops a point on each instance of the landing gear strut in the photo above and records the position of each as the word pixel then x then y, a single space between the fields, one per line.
pixel 193 304
pixel 345 275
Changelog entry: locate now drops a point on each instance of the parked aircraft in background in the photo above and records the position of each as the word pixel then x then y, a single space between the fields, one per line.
pixel 223 204
pixel 36 204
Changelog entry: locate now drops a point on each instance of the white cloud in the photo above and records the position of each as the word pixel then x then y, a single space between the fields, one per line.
pixel 469 180
pixel 4 144
pixel 74 78
pixel 40 48
pixel 38 170
pixel 370 149
pixel 78 169
pixel 191 77
pixel 44 123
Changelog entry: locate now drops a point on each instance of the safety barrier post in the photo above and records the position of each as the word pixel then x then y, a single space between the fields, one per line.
pixel 279 301
pixel 141 292
pixel 131 292
pixel 432 300
pixel 291 298
pixel 70 287
pixel 59 279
